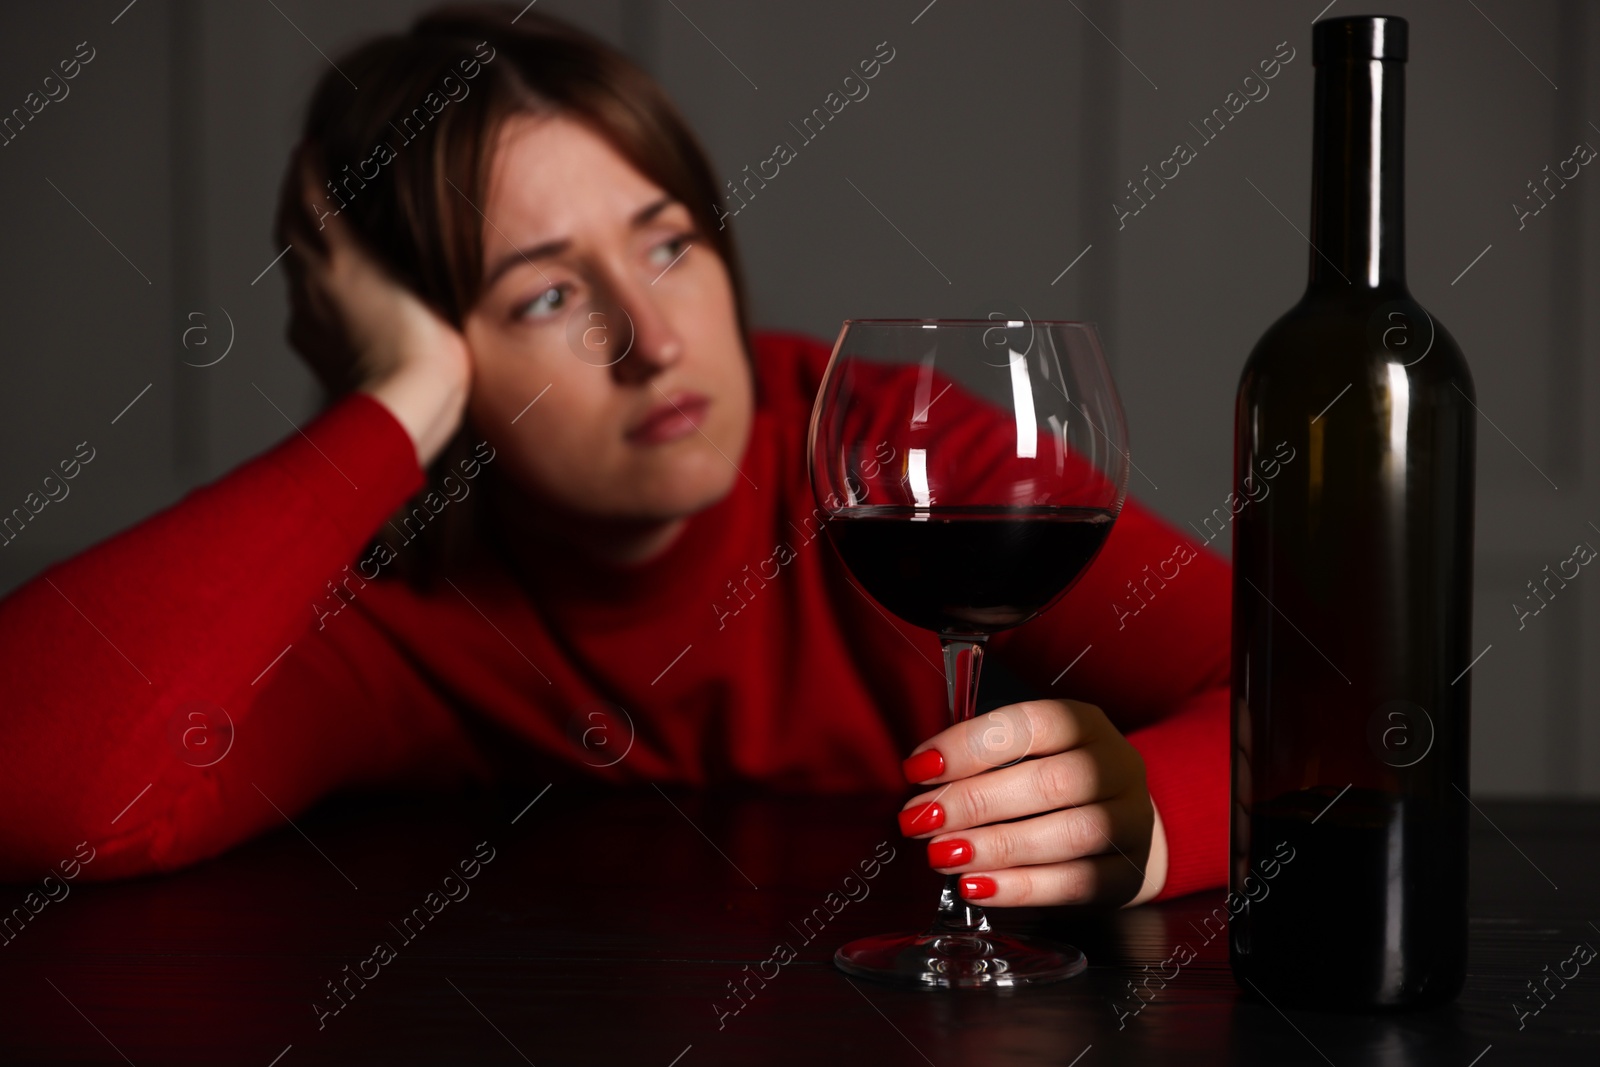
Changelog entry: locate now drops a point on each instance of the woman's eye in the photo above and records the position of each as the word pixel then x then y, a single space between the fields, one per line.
pixel 669 250
pixel 545 304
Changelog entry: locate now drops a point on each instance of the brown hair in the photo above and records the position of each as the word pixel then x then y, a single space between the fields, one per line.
pixel 422 137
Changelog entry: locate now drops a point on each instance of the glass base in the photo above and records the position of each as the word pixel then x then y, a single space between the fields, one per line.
pixel 935 960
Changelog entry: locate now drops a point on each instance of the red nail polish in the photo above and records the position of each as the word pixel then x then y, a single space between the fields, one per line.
pixel 921 819
pixel 951 853
pixel 976 887
pixel 923 766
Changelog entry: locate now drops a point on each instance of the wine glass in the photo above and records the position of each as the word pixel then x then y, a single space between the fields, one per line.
pixel 969 470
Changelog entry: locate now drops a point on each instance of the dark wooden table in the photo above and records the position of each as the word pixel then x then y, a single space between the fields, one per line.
pixel 607 928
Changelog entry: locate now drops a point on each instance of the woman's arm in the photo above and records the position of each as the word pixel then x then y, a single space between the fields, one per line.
pixel 114 659
pixel 207 604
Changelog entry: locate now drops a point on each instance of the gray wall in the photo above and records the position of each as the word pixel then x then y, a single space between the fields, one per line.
pixel 984 162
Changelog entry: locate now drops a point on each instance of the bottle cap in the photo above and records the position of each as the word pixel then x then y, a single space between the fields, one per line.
pixel 1358 39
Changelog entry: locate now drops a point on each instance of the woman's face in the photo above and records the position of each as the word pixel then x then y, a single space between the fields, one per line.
pixel 615 319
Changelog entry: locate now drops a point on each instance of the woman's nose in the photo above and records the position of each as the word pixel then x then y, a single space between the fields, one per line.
pixel 647 335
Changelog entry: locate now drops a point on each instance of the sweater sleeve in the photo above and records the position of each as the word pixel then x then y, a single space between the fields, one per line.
pixel 194 628
pixel 1186 764
pixel 1144 635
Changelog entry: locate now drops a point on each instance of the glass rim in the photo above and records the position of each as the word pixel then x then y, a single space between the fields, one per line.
pixel 971 322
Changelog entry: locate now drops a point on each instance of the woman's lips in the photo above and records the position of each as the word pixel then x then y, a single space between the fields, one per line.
pixel 680 415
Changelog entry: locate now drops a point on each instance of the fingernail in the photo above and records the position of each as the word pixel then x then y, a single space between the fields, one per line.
pixel 951 853
pixel 976 887
pixel 923 766
pixel 921 819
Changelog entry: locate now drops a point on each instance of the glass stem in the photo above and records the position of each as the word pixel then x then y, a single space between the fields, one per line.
pixel 963 661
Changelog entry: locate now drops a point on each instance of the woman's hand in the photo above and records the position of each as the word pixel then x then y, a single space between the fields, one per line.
pixel 360 328
pixel 1086 831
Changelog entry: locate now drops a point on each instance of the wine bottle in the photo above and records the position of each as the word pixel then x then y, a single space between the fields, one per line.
pixel 1352 589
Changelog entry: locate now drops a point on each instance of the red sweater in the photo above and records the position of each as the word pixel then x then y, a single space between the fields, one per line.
pixel 704 665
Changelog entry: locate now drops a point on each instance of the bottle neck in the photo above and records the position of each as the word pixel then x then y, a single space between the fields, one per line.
pixel 1358 177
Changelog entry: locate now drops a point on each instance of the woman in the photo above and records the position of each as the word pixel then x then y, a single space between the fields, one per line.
pixel 555 523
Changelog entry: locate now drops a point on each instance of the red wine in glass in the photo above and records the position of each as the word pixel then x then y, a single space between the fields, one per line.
pixel 919 568
pixel 969 471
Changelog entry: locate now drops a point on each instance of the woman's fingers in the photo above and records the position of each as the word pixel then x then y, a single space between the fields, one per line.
pixel 1005 735
pixel 1094 879
pixel 1067 779
pixel 327 247
pixel 1041 802
pixel 1055 837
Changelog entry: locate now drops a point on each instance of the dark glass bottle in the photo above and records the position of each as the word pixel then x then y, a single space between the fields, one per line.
pixel 1352 590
